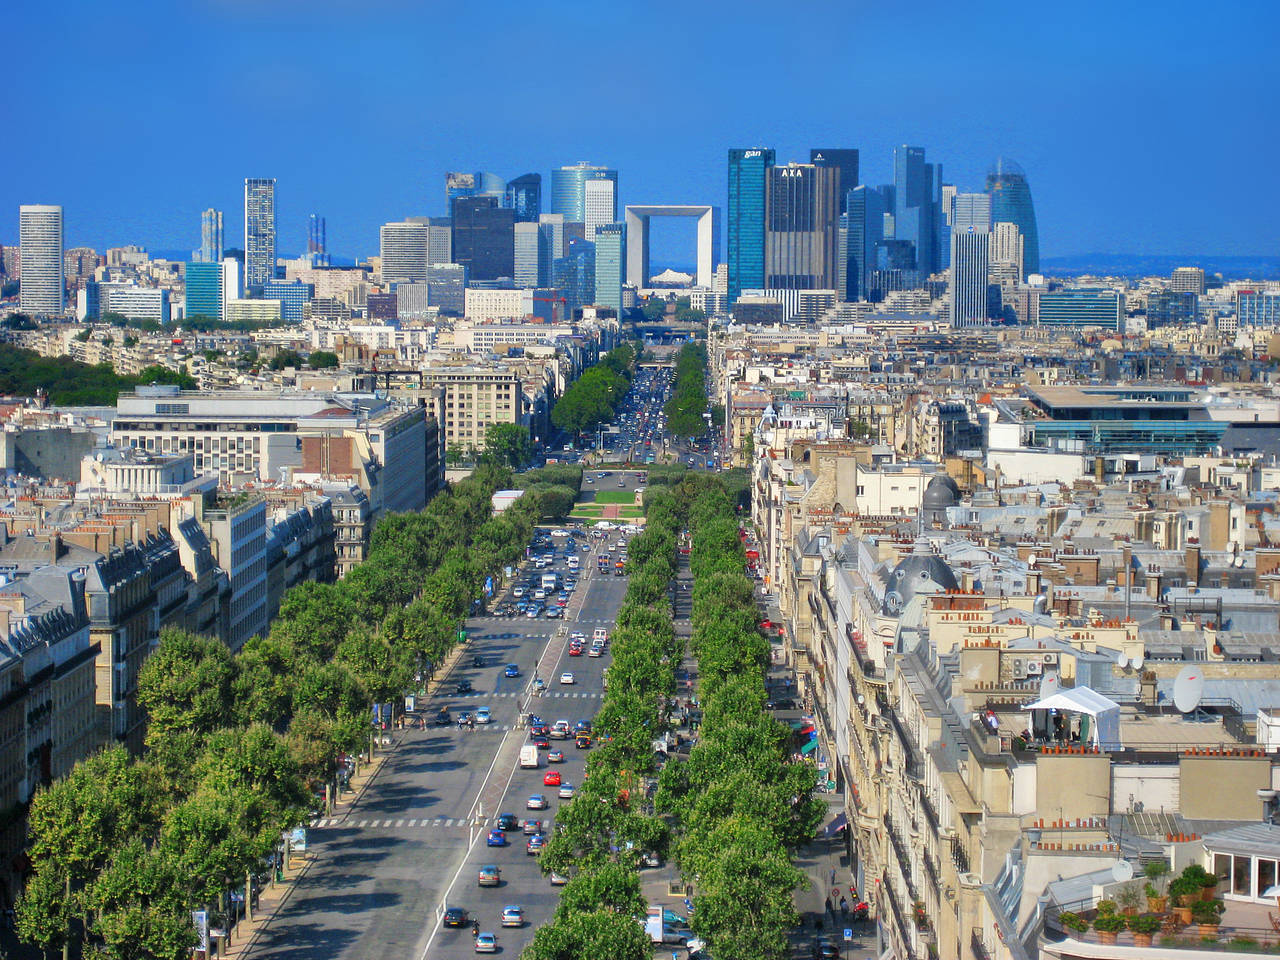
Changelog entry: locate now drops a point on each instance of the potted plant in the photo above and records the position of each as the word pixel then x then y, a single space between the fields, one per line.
pixel 1184 891
pixel 1108 924
pixel 1073 921
pixel 1128 897
pixel 1208 913
pixel 1144 928
pixel 1203 880
pixel 1156 871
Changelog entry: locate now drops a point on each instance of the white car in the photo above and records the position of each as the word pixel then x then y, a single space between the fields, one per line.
pixel 518 592
pixel 566 791
pixel 566 678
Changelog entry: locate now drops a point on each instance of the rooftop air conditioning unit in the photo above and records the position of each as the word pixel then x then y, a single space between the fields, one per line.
pixel 1050 658
pixel 1019 669
pixel 1033 669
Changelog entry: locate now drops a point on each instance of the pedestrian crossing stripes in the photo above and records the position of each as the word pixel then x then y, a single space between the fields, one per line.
pixel 352 822
pixel 480 695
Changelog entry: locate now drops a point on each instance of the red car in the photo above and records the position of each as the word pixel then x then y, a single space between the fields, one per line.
pixel 575 651
pixel 551 778
pixel 539 730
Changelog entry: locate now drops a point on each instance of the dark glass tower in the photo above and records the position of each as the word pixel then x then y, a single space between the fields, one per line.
pixel 748 171
pixel 524 196
pixel 484 238
pixel 1011 203
pixel 916 185
pixel 800 228
pixel 866 209
pixel 843 159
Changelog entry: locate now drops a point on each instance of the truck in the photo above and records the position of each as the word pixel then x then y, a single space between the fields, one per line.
pixel 549 581
pixel 661 932
pixel 529 757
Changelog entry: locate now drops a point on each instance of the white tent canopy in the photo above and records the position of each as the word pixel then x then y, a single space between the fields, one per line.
pixel 1105 713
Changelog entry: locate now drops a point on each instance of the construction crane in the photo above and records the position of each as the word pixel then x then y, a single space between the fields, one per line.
pixel 552 300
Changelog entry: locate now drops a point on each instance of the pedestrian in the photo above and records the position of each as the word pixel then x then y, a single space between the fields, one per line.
pixel 828 905
pixel 833 876
pixel 844 909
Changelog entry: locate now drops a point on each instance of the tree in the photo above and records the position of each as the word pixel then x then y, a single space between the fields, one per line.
pixel 285 358
pixel 186 685
pixel 598 934
pixel 322 360
pixel 508 444
pixel 611 886
pixel 141 908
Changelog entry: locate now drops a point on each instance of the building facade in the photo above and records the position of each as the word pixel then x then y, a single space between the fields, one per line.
pixel 801 221
pixel 1011 203
pixel 259 231
pixel 745 229
pixel 42 285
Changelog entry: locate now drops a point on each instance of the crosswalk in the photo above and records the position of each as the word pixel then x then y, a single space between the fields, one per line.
pixel 405 823
pixel 480 695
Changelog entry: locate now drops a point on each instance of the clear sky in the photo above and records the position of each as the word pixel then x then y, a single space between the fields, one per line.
pixel 1144 127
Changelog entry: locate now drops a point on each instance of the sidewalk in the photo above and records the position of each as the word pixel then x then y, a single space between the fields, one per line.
pixel 277 894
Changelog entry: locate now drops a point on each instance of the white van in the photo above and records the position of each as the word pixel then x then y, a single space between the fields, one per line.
pixel 601 634
pixel 529 757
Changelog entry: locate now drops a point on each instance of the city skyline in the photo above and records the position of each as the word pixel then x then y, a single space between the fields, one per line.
pixel 1109 65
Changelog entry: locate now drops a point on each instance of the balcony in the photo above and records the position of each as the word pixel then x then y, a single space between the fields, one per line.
pixel 904 859
pixel 1245 928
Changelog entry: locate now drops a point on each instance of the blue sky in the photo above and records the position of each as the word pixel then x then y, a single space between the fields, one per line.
pixel 1145 128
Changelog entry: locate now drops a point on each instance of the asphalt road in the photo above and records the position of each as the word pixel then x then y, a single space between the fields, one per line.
pixel 414 841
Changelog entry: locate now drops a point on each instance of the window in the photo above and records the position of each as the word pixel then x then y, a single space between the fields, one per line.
pixel 1240 876
pixel 1266 874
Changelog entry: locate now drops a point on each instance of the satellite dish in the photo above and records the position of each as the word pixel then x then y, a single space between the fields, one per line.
pixel 1137 662
pixel 1188 687
pixel 1048 685
pixel 1238 561
pixel 1124 660
pixel 1122 871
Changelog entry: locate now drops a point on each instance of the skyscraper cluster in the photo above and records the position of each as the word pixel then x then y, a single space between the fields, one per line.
pixel 814 227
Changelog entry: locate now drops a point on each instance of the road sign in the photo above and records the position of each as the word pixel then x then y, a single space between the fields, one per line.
pixel 848 934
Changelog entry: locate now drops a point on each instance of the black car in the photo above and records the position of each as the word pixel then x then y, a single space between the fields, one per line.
pixel 464 686
pixel 442 718
pixel 456 917
pixel 824 949
pixel 508 821
pixel 477 661
pixel 782 703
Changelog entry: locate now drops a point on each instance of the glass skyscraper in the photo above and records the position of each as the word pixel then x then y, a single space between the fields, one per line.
pixel 317 244
pixel 569 193
pixel 864 231
pixel 800 227
pixel 1011 203
pixel 915 212
pixel 574 274
pixel 484 238
pixel 259 231
pixel 204 290
pixel 210 237
pixel 843 159
pixel 611 259
pixel 524 196
pixel 748 171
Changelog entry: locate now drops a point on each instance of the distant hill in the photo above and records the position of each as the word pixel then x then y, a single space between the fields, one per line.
pixel 1130 265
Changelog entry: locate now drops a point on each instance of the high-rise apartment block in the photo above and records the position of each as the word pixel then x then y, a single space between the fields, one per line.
pixel 801 221
pixel 748 172
pixel 42 286
pixel 259 231
pixel 211 243
pixel 1187 280
pixel 1011 203
pixel 599 203
pixel 405 251
pixel 611 259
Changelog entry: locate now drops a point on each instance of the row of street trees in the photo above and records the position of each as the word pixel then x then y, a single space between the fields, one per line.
pixel 601 834
pixel 739 804
pixel 123 849
pixel 688 400
pixel 594 397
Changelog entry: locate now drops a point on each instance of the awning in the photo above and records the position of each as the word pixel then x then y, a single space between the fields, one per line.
pixel 809 747
pixel 836 825
pixel 1106 713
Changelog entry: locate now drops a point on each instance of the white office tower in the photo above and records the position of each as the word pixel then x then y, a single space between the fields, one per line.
pixel 600 204
pixel 969 271
pixel 405 251
pixel 42 283
pixel 1007 247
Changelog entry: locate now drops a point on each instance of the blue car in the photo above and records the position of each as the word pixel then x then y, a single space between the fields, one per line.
pixel 512 670
pixel 497 838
